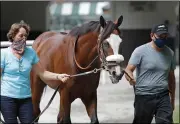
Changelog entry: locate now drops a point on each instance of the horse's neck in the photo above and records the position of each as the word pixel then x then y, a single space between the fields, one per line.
pixel 87 49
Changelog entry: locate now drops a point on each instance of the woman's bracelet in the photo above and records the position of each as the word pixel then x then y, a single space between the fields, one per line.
pixel 57 77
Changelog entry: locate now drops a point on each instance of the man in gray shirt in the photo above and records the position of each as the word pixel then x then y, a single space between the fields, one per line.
pixel 155 81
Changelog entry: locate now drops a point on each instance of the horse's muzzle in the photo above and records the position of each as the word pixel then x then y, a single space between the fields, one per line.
pixel 116 78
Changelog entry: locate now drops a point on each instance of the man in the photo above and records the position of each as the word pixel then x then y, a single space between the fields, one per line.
pixel 155 81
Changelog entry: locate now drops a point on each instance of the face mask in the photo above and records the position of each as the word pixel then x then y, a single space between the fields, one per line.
pixel 19 46
pixel 160 42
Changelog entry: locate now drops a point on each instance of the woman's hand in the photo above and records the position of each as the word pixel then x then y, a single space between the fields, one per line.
pixel 63 77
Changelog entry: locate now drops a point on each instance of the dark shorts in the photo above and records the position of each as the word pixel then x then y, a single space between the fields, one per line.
pixel 11 108
pixel 149 106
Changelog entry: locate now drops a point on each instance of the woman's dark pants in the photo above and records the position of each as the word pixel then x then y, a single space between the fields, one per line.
pixel 11 108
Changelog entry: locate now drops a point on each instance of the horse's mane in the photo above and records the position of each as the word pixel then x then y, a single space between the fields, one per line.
pixel 63 33
pixel 85 28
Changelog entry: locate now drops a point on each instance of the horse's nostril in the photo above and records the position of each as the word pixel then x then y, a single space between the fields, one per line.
pixel 114 73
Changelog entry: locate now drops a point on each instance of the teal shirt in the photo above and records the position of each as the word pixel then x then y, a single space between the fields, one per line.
pixel 152 69
pixel 15 80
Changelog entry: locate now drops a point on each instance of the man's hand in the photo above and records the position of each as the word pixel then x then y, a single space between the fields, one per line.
pixel 132 81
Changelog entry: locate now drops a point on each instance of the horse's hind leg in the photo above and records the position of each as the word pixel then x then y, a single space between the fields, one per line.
pixel 37 87
pixel 91 106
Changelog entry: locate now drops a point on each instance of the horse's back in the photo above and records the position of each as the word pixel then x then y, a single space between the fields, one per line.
pixel 41 38
pixel 44 37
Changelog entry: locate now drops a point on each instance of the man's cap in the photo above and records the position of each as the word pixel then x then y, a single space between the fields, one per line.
pixel 160 29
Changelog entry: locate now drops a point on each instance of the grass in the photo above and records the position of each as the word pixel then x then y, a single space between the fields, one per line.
pixel 176 115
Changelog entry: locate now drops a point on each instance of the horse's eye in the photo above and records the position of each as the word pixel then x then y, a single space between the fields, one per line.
pixel 106 45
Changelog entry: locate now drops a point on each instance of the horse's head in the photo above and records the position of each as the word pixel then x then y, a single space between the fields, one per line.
pixel 108 45
pixel 106 40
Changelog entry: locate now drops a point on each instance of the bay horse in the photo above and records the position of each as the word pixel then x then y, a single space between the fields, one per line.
pixel 82 49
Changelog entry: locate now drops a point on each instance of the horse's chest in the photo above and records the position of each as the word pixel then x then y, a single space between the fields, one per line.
pixel 87 83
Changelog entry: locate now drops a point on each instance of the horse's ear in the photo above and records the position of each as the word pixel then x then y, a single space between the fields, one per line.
pixel 102 21
pixel 120 19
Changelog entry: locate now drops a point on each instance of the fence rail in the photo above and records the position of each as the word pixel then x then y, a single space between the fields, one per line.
pixel 7 43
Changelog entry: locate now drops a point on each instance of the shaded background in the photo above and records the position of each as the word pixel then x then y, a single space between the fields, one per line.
pixel 139 17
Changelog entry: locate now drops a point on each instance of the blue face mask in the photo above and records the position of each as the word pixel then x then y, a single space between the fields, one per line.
pixel 160 42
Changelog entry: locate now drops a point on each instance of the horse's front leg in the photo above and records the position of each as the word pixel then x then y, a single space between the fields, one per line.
pixel 91 106
pixel 65 107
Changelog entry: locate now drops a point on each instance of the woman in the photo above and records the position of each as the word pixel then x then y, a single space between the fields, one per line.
pixel 16 64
